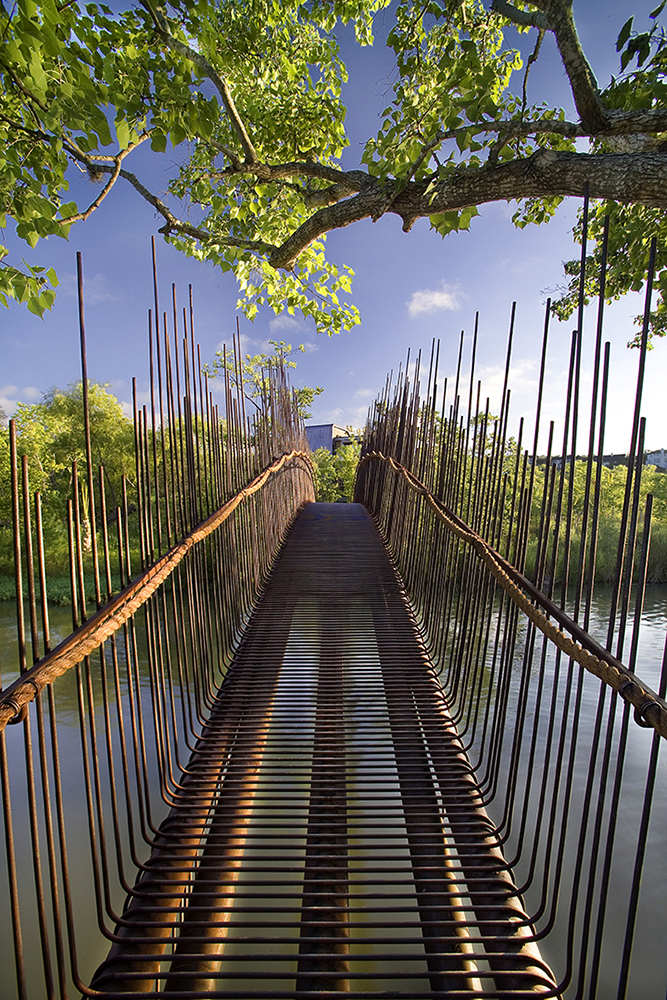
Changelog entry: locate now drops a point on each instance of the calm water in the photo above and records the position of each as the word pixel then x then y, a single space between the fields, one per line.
pixel 650 976
pixel 648 979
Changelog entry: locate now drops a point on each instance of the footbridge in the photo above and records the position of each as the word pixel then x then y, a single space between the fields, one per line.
pixel 389 748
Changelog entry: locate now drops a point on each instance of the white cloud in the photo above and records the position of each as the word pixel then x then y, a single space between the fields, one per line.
pixel 95 289
pixel 11 395
pixel 365 393
pixel 263 345
pixel 284 323
pixel 428 300
pixel 7 405
pixel 349 416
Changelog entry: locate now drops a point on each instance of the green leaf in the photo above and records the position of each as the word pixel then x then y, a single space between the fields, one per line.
pixel 624 34
pixel 158 141
pixel 123 131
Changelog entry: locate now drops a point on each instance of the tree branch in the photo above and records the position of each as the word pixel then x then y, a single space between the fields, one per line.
pixel 24 90
pixel 629 178
pixel 524 18
pixel 82 216
pixel 328 196
pixel 37 134
pixel 176 225
pixel 557 17
pixel 233 157
pixel 361 206
pixel 352 180
pixel 583 84
pixel 207 69
pixel 628 122
pixel 638 178
pixel 632 178
pixel 115 174
pixel 532 58
pixel 618 123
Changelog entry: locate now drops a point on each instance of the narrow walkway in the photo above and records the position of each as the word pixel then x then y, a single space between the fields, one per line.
pixel 327 838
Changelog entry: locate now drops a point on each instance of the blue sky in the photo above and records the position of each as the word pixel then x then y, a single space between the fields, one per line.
pixel 408 287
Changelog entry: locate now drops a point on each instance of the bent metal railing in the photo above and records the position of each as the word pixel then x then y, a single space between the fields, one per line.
pixel 579 645
pixel 89 636
pixel 96 730
pixel 497 546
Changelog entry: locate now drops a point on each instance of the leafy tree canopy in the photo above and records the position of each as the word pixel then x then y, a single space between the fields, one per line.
pixel 334 474
pixel 51 434
pixel 250 92
pixel 253 374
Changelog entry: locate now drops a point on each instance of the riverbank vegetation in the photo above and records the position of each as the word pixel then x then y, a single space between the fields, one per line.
pixel 51 436
pixel 612 491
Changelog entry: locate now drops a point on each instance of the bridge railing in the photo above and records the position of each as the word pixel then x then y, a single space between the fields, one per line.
pixel 562 734
pixel 100 715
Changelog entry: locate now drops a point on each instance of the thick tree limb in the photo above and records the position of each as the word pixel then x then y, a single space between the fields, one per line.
pixel 627 122
pixel 329 196
pixel 628 178
pixel 556 16
pixel 651 120
pixel 361 206
pixel 632 179
pixel 583 84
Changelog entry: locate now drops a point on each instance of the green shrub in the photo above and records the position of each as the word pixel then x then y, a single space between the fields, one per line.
pixel 334 474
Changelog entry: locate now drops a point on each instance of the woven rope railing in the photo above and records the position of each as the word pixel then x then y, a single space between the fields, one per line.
pixel 83 641
pixel 650 708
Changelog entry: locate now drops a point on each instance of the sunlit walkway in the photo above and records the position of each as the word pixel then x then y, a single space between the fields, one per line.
pixel 327 837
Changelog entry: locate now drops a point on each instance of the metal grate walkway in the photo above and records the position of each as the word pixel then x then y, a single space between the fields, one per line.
pixel 327 837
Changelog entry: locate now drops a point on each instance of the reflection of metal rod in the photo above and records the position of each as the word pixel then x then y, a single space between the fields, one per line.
pixel 460 876
pixel 619 677
pixel 458 528
pixel 197 473
pixel 300 872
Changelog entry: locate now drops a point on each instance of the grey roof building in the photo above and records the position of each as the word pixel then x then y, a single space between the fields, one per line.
pixel 326 436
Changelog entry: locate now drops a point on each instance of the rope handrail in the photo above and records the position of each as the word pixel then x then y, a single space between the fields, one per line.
pixel 650 708
pixel 110 617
